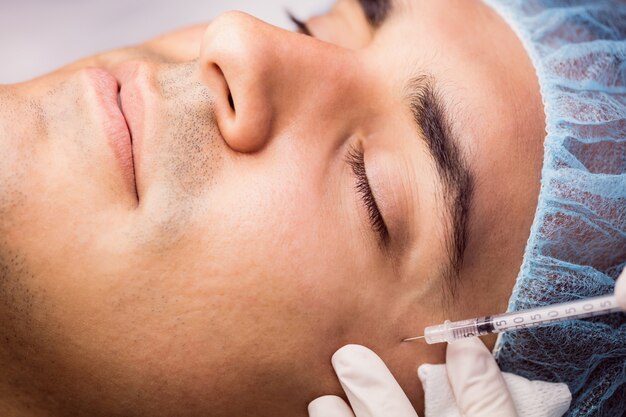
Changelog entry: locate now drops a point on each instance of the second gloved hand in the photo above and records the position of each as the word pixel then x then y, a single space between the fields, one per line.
pixel 373 392
pixel 470 385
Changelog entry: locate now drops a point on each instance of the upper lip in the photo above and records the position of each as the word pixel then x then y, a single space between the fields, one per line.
pixel 130 135
pixel 130 98
pixel 115 124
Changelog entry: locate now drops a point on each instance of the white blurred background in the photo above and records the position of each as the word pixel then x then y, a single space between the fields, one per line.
pixel 37 36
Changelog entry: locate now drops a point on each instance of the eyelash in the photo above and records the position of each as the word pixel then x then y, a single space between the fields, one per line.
pixel 356 160
pixel 302 26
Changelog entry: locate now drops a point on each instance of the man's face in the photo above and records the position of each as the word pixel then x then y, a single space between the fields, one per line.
pixel 283 195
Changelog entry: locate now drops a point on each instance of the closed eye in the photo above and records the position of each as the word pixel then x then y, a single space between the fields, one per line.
pixel 356 160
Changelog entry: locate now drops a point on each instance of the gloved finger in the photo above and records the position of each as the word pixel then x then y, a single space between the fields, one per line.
pixel 620 290
pixel 368 384
pixel 476 381
pixel 329 406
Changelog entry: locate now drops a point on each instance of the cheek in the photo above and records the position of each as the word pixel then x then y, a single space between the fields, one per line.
pixel 281 238
pixel 262 272
pixel 266 277
pixel 259 265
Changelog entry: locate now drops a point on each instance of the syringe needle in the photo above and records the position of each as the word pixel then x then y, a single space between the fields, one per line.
pixel 413 338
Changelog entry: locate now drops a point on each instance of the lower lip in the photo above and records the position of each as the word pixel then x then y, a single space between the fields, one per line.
pixel 114 124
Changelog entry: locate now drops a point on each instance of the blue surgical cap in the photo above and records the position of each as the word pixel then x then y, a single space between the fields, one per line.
pixel 577 244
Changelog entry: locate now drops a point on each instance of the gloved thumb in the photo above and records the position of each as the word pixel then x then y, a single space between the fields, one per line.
pixel 369 385
pixel 476 381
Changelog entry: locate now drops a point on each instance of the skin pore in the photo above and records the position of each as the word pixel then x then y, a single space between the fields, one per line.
pixel 243 249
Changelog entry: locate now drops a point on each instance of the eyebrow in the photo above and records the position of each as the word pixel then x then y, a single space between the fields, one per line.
pixel 430 116
pixel 376 11
pixel 434 127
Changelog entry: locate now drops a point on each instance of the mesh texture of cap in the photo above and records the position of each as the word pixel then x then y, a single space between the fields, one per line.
pixel 577 243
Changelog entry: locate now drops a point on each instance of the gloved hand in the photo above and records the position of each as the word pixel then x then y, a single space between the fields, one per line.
pixel 474 376
pixel 620 290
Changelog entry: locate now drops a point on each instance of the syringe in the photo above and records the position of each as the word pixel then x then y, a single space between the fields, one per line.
pixel 451 331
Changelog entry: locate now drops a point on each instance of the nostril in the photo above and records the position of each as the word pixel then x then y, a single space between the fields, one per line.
pixel 220 74
pixel 230 101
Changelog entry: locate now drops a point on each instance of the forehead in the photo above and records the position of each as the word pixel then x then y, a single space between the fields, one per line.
pixel 477 62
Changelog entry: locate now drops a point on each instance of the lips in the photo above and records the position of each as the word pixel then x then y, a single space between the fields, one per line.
pixel 114 123
pixel 133 76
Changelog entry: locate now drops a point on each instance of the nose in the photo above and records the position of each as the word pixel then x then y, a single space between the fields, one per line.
pixel 264 76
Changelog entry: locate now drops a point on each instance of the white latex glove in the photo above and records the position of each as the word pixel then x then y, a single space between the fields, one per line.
pixel 475 378
pixel 620 290
pixel 369 386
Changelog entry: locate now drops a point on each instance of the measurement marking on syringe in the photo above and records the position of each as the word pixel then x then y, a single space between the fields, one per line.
pixel 590 307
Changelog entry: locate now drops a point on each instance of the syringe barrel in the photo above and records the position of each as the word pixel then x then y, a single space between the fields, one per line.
pixel 451 331
pixel 577 309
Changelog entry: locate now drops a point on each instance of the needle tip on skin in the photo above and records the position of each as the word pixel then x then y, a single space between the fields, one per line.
pixel 413 338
